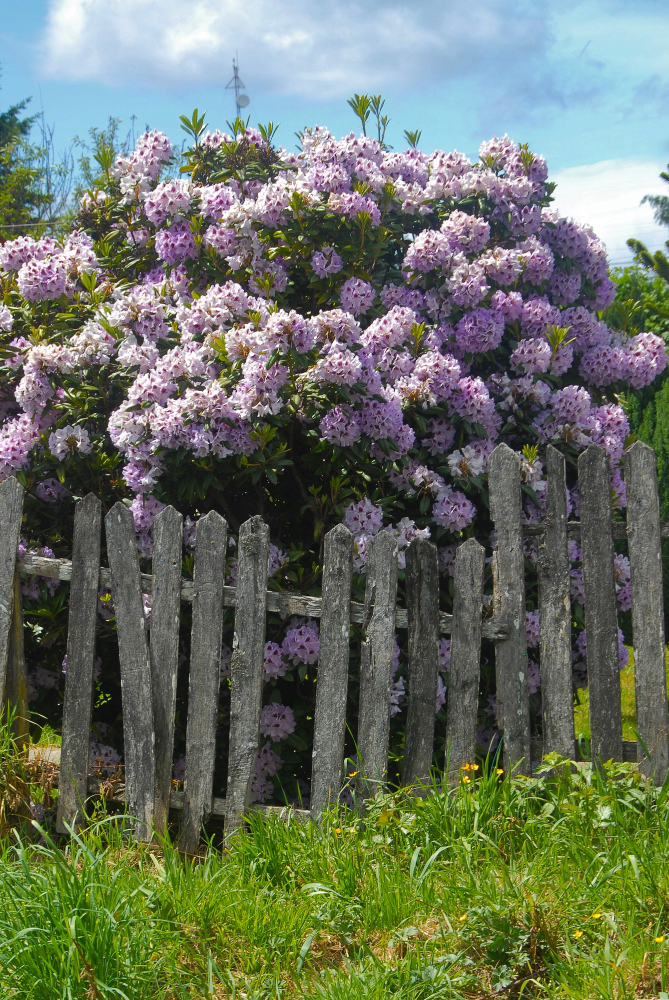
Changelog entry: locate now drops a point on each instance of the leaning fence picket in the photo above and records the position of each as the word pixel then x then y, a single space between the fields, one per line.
pixel 645 553
pixel 513 709
pixel 78 700
pixel 422 597
pixel 333 659
pixel 133 647
pixel 376 662
pixel 11 512
pixel 601 614
pixel 211 538
pixel 164 648
pixel 555 614
pixel 246 668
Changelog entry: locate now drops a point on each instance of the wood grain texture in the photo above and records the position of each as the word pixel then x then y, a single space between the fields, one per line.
pixel 79 679
pixel 211 539
pixel 601 615
pixel 422 597
pixel 513 714
pixel 333 660
pixel 465 666
pixel 16 687
pixel 645 553
pixel 555 614
pixel 164 648
pixel 133 646
pixel 376 662
pixel 246 668
pixel 11 512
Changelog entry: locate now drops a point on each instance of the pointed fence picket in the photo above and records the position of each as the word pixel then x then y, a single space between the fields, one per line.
pixel 149 657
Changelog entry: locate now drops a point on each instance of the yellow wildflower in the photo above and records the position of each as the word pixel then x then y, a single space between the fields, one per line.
pixel 578 934
pixel 660 939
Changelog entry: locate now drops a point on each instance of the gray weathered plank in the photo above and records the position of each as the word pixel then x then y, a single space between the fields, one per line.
pixel 601 616
pixel 465 668
pixel 11 511
pixel 645 552
pixel 422 597
pixel 513 713
pixel 376 662
pixel 246 668
pixel 164 648
pixel 332 681
pixel 16 688
pixel 211 538
pixel 555 614
pixel 78 701
pixel 285 604
pixel 133 647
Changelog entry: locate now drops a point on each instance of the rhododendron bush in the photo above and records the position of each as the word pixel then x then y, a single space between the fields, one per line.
pixel 337 334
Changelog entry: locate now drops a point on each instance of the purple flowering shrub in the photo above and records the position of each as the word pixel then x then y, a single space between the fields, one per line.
pixel 342 333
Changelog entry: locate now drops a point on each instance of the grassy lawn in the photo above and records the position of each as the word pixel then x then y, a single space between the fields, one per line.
pixel 554 887
pixel 627 701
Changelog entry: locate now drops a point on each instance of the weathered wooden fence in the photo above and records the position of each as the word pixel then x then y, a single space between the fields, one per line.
pixel 149 659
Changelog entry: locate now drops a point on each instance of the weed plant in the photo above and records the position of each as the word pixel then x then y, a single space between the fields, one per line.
pixel 555 886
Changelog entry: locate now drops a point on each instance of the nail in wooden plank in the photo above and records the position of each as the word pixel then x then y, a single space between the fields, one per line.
pixel 133 647
pixel 332 680
pixel 465 667
pixel 246 668
pixel 513 711
pixel 555 614
pixel 16 687
pixel 164 648
pixel 422 596
pixel 376 662
pixel 211 537
pixel 601 614
pixel 79 677
pixel 645 552
pixel 11 511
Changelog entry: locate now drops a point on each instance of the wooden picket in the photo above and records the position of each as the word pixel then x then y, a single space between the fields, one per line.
pixel 149 657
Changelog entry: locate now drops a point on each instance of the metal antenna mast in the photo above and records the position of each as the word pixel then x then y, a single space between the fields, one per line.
pixel 241 100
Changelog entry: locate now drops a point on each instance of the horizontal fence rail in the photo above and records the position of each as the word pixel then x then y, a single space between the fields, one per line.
pixel 149 658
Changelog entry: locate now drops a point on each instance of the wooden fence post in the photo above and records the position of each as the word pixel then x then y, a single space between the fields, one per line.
pixel 211 538
pixel 465 669
pixel 133 647
pixel 332 682
pixel 645 552
pixel 601 613
pixel 376 662
pixel 555 615
pixel 422 596
pixel 246 668
pixel 513 711
pixel 11 512
pixel 16 687
pixel 78 702
pixel 164 649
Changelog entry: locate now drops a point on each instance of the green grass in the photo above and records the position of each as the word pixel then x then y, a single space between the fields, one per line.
pixel 627 702
pixel 556 886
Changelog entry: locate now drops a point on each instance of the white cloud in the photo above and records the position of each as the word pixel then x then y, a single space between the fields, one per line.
pixel 607 196
pixel 311 48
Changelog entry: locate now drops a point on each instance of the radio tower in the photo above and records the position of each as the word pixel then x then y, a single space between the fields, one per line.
pixel 241 100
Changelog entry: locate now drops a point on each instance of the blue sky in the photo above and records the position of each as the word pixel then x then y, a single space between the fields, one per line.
pixel 585 82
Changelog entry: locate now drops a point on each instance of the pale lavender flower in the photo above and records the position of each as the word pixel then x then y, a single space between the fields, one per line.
pixel 326 261
pixel 277 722
pixel 68 440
